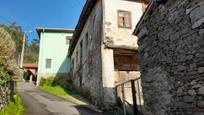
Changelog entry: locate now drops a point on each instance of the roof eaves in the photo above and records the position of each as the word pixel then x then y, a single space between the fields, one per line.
pixel 42 29
pixel 88 7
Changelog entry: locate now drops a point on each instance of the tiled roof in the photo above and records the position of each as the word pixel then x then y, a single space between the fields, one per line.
pixel 32 66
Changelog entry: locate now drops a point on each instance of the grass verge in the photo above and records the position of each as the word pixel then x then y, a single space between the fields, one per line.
pixel 15 107
pixel 62 87
pixel 59 91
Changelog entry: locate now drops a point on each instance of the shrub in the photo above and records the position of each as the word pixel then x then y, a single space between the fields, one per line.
pixel 7 45
pixel 26 75
pixel 46 81
pixel 59 81
pixel 5 79
pixel 42 81
pixel 15 107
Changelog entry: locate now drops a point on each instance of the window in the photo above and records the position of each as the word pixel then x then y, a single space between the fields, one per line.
pixel 87 40
pixel 124 19
pixel 126 60
pixel 48 63
pixel 81 51
pixel 76 57
pixel 68 38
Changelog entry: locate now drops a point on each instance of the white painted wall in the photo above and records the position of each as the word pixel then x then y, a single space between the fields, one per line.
pixel 121 36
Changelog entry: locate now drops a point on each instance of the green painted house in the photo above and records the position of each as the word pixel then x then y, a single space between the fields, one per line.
pixel 53 60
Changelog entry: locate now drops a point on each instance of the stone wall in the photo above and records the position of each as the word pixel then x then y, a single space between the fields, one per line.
pixel 86 69
pixel 171 49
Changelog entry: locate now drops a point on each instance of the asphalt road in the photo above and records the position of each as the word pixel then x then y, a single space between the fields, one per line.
pixel 37 102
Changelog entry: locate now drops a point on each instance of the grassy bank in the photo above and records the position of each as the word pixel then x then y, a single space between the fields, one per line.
pixel 15 107
pixel 64 88
pixel 67 93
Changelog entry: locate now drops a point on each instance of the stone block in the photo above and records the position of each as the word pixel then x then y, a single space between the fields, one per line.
pixel 201 31
pixel 181 67
pixel 188 99
pixel 197 13
pixel 201 91
pixel 193 65
pixel 196 86
pixel 198 23
pixel 192 92
pixel 201 104
pixel 142 32
pixel 201 69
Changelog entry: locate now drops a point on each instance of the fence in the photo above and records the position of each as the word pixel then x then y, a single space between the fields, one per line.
pixel 129 96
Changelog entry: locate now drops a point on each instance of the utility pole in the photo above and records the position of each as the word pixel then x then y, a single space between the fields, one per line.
pixel 23 50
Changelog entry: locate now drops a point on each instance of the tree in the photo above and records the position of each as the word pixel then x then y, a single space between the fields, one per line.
pixel 8 67
pixel 16 34
pixel 31 52
pixel 7 45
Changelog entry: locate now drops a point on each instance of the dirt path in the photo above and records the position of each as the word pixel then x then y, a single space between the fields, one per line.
pixel 37 102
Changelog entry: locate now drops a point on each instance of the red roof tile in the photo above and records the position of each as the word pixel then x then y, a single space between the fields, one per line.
pixel 30 66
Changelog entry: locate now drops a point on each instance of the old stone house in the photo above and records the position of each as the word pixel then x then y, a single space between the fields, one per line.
pixel 171 52
pixel 103 50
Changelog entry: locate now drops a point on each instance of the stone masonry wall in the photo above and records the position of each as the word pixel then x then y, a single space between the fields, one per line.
pixel 87 74
pixel 171 48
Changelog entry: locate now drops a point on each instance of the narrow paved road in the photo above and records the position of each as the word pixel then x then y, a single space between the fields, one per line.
pixel 37 102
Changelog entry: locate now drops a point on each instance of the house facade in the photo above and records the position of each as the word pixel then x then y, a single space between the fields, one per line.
pixel 103 50
pixel 171 51
pixel 53 60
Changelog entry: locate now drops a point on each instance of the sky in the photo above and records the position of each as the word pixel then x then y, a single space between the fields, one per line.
pixel 30 14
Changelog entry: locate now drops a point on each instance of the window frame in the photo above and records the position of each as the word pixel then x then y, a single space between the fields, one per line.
pixel 130 19
pixel 46 63
pixel 68 38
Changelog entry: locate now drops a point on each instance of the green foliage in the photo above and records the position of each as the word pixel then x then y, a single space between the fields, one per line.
pixel 16 34
pixel 10 47
pixel 15 107
pixel 26 75
pixel 46 81
pixel 57 90
pixel 4 76
pixel 61 81
pixel 32 51
pixel 7 46
pixel 59 86
pixel 66 84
